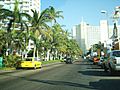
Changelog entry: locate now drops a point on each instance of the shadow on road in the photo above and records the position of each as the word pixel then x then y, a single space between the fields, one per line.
pixel 94 73
pixel 106 84
pixel 53 82
pixel 94 67
pixel 61 83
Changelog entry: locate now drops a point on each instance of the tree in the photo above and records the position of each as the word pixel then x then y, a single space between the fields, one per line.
pixel 38 24
pixel 15 18
pixel 53 14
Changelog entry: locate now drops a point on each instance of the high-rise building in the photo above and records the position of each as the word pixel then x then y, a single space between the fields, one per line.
pixel 24 5
pixel 104 35
pixel 87 35
pixel 93 36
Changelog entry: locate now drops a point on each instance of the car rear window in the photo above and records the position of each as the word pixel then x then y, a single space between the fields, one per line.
pixel 116 53
pixel 28 59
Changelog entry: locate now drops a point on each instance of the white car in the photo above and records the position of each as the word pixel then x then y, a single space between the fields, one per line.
pixel 101 61
pixel 114 61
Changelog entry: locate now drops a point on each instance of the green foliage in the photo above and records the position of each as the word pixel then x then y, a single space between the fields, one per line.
pixel 45 38
pixel 50 61
pixel 10 60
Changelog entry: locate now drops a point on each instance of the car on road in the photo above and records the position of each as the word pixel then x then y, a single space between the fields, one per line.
pixel 114 61
pixel 96 59
pixel 68 60
pixel 100 62
pixel 29 62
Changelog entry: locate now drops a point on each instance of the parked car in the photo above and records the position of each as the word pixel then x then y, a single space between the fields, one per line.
pixel 100 62
pixel 29 62
pixel 96 60
pixel 114 61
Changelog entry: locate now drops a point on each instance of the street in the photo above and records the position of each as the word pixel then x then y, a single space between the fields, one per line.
pixel 81 75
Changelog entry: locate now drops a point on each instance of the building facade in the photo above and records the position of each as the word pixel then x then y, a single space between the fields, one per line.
pixel 86 35
pixel 24 5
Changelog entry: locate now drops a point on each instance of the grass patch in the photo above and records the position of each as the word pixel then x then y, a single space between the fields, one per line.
pixel 51 61
pixel 7 68
pixel 43 63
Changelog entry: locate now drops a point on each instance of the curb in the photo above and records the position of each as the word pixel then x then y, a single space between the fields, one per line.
pixel 2 72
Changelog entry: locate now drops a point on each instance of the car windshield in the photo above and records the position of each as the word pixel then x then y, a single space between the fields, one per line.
pixel 116 53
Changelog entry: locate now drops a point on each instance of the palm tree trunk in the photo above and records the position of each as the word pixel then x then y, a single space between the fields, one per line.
pixel 34 51
pixel 48 55
pixel 56 54
pixel 37 54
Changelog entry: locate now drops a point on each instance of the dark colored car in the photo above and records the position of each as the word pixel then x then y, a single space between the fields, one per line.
pixel 68 61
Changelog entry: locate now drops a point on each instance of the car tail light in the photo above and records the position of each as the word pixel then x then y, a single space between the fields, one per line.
pixel 114 61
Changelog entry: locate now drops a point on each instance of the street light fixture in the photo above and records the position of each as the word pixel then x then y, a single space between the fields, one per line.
pixel 103 11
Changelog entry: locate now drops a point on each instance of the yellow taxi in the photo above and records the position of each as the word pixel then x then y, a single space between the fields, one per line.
pixel 29 62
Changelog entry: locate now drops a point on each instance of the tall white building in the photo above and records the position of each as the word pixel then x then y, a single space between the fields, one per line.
pixel 24 5
pixel 87 35
pixel 104 35
pixel 93 35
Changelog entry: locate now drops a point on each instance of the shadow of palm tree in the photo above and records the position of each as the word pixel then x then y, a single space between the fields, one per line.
pixel 98 73
pixel 52 82
pixel 62 83
pixel 106 84
pixel 93 73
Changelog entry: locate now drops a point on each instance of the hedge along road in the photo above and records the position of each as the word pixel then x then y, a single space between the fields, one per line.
pixel 80 75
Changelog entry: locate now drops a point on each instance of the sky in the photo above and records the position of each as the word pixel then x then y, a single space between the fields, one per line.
pixel 74 11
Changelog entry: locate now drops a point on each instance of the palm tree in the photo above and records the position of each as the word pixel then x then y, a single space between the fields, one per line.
pixel 53 14
pixel 3 40
pixel 57 39
pixel 38 24
pixel 14 18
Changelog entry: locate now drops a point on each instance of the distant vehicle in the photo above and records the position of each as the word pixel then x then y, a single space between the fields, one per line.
pixel 95 60
pixel 100 62
pixel 29 62
pixel 68 60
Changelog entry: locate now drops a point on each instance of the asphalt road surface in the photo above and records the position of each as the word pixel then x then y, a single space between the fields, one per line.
pixel 81 75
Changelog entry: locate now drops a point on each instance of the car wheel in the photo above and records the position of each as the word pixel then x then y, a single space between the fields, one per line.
pixel 102 66
pixel 112 72
pixel 40 67
pixel 35 67
pixel 105 68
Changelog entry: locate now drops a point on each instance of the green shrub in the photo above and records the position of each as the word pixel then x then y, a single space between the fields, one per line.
pixel 10 60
